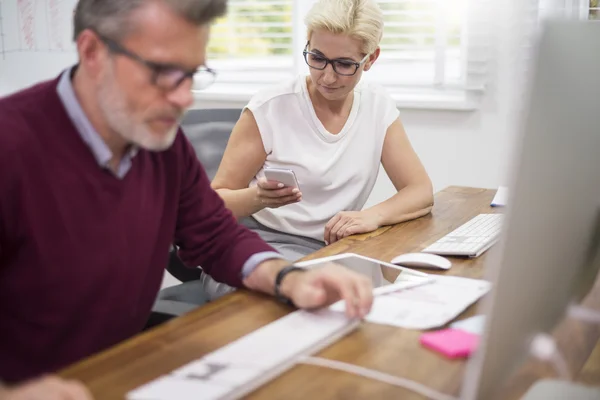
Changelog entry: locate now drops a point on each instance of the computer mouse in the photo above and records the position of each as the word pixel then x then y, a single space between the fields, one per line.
pixel 423 260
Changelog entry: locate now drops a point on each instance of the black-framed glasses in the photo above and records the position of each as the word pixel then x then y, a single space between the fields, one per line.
pixel 340 66
pixel 167 77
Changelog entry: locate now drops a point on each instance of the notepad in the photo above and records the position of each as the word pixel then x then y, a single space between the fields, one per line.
pixel 452 343
pixel 501 197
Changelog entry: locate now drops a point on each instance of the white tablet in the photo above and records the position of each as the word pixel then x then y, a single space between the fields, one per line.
pixel 386 277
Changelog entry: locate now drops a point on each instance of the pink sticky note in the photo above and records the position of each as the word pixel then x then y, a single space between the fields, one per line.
pixel 452 343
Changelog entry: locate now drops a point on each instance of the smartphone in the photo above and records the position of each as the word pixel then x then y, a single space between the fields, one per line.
pixel 285 176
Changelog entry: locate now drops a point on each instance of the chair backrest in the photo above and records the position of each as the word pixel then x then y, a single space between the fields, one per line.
pixel 208 131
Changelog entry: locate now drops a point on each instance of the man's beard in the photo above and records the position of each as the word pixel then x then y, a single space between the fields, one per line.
pixel 113 105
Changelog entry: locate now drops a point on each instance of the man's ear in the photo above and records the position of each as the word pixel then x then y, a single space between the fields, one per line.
pixel 372 58
pixel 91 52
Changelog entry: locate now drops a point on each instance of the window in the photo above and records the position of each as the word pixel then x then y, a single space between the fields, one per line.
pixel 540 10
pixel 529 17
pixel 594 12
pixel 254 42
pixel 581 9
pixel 434 52
pixel 433 49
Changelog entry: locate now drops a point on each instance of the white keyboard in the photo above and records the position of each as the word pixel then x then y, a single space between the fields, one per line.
pixel 238 368
pixel 470 239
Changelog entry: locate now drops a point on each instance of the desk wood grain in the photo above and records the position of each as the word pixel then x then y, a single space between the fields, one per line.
pixel 111 374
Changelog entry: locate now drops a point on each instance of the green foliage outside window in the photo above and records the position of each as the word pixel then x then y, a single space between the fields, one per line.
pixel 244 31
pixel 594 12
pixel 240 33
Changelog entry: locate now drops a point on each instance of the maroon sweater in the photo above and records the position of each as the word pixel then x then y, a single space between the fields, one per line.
pixel 82 253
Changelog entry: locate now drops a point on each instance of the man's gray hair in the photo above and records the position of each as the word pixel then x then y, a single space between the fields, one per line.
pixel 110 17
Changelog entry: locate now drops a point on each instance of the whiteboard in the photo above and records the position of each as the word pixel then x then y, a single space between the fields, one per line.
pixel 35 41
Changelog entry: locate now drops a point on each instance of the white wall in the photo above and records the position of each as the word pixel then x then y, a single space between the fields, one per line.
pixel 36 41
pixel 20 70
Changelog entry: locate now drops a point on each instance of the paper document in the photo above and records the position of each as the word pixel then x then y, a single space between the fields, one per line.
pixel 472 325
pixel 243 365
pixel 501 197
pixel 426 306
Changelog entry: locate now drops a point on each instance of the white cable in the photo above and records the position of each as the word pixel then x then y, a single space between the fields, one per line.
pixel 543 347
pixel 584 314
pixel 379 376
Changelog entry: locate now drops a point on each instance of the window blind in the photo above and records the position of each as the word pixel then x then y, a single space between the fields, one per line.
pixel 428 46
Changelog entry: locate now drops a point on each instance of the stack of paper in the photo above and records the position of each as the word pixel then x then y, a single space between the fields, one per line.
pixel 472 325
pixel 426 306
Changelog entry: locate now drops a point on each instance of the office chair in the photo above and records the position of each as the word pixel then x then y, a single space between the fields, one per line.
pixel 208 131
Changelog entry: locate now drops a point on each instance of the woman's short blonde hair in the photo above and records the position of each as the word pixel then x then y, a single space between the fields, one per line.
pixel 361 19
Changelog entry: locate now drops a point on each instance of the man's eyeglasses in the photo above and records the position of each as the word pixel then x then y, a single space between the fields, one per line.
pixel 165 76
pixel 340 66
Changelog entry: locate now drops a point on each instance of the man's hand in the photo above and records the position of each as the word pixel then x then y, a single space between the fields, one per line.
pixel 46 388
pixel 316 287
pixel 347 223
pixel 322 286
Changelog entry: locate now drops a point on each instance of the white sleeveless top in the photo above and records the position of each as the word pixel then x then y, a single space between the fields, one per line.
pixel 335 172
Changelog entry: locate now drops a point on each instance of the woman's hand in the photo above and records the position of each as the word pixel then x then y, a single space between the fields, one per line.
pixel 272 194
pixel 347 223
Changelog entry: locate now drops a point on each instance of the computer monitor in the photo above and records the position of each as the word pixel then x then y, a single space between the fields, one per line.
pixel 547 256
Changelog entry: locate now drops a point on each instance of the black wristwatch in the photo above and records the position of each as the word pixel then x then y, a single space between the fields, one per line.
pixel 280 275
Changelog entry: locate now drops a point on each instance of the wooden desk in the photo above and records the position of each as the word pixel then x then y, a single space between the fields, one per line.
pixel 111 374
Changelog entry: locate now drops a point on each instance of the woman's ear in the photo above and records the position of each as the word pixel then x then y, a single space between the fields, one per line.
pixel 372 58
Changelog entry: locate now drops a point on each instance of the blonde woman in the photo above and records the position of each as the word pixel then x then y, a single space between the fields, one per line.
pixel 333 131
